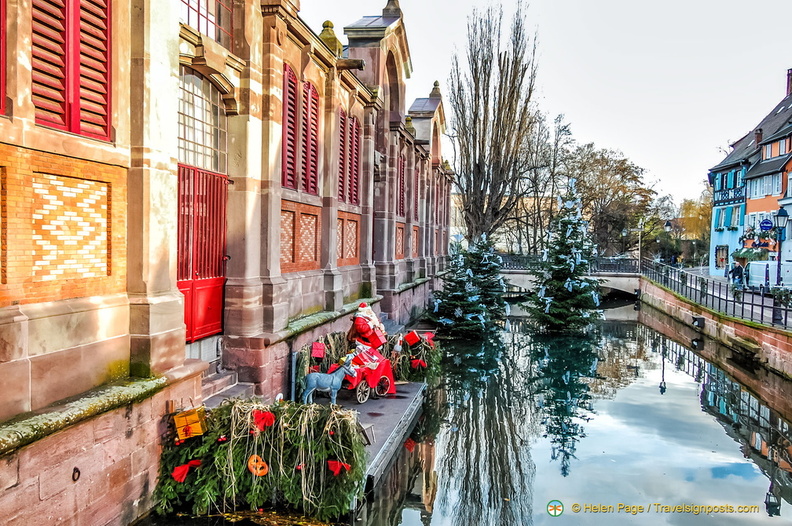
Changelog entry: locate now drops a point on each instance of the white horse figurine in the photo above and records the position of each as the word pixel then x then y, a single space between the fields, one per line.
pixel 327 382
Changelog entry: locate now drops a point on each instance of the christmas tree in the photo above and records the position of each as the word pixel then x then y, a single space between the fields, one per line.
pixel 471 297
pixel 485 266
pixel 565 298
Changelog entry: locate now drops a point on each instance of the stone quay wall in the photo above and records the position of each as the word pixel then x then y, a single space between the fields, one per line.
pixel 770 346
pixel 99 471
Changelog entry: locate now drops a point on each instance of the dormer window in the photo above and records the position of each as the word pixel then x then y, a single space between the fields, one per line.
pixel 768 151
pixel 782 147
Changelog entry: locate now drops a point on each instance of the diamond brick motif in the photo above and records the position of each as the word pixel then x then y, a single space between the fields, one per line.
pixel 287 237
pixel 351 239
pixel 70 227
pixel 307 241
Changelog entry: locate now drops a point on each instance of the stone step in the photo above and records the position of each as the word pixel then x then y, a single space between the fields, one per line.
pixel 238 390
pixel 216 382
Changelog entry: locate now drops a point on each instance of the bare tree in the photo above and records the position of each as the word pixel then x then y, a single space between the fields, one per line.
pixel 493 118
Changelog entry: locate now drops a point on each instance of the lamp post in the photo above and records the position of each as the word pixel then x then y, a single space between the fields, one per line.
pixel 780 220
pixel 640 239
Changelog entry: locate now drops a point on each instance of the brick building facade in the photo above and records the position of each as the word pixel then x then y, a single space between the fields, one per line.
pixel 181 172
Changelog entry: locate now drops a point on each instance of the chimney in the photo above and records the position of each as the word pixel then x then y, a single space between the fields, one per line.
pixel 789 82
pixel 757 136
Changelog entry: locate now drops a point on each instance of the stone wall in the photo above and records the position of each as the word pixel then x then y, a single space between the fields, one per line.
pixel 772 346
pixel 100 471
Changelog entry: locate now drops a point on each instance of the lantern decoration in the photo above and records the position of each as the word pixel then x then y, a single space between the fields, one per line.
pixel 179 473
pixel 257 466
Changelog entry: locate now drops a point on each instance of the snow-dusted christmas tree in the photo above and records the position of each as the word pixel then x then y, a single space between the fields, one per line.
pixel 485 266
pixel 472 295
pixel 566 299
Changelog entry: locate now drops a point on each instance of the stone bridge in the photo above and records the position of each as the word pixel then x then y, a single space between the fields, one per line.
pixel 615 273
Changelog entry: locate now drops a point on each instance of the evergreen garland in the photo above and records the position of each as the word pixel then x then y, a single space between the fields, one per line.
pixel 296 447
pixel 566 299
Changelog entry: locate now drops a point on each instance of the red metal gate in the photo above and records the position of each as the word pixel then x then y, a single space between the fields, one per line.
pixel 202 245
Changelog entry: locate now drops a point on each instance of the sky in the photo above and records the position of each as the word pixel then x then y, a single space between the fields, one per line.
pixel 669 84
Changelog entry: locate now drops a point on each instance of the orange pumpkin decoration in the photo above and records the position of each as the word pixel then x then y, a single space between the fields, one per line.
pixel 257 466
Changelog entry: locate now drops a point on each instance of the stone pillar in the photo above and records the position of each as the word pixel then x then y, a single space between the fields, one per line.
pixel 157 330
pixel 244 310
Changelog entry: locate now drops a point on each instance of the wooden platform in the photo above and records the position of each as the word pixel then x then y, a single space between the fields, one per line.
pixel 390 421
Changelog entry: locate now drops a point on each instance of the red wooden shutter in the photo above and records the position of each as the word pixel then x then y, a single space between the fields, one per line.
pixel 3 38
pixel 415 195
pixel 310 137
pixel 342 156
pixel 94 68
pixel 289 160
pixel 354 163
pixel 71 65
pixel 49 62
pixel 400 189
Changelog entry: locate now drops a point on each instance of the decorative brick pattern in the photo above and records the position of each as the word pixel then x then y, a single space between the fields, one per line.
pixel 414 241
pixel 63 229
pixel 348 239
pixel 307 237
pixel 399 240
pixel 71 231
pixel 287 237
pixel 339 239
pixel 300 236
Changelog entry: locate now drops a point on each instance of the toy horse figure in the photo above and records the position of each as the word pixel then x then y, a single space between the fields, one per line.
pixel 327 382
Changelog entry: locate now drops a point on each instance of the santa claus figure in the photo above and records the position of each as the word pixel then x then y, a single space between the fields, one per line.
pixel 367 327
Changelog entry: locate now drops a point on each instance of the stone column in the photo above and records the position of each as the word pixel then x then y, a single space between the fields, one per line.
pixel 157 330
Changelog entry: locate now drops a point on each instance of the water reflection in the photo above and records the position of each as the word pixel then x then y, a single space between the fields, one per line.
pixel 627 415
pixel 486 472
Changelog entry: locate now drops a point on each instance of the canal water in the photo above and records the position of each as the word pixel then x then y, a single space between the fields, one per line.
pixel 628 425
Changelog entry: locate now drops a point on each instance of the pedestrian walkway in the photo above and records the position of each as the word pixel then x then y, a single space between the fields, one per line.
pixel 717 293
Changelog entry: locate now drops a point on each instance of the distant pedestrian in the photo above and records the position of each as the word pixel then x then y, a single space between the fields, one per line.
pixel 737 274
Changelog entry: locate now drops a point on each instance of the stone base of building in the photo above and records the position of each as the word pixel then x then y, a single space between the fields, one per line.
pixel 101 470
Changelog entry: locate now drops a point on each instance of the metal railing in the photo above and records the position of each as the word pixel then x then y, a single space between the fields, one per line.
pixel 719 295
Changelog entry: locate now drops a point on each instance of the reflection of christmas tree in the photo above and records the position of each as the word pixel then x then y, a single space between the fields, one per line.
pixel 486 461
pixel 472 295
pixel 565 398
pixel 565 299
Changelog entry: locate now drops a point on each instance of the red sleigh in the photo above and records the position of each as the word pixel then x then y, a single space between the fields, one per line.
pixel 374 375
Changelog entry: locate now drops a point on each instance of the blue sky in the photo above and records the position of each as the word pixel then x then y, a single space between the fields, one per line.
pixel 670 84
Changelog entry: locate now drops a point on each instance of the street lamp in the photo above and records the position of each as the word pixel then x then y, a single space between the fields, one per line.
pixel 780 220
pixel 667 227
pixel 640 240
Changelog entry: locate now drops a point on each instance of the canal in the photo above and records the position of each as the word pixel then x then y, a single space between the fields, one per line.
pixel 624 426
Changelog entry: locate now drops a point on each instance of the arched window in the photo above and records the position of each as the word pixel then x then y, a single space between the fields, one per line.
pixel 202 123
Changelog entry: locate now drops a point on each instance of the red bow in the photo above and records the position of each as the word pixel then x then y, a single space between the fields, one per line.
pixel 409 445
pixel 263 419
pixel 335 466
pixel 429 337
pixel 180 472
pixel 415 364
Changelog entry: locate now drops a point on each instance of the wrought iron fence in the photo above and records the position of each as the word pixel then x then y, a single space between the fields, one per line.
pixel 720 295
